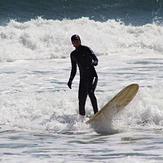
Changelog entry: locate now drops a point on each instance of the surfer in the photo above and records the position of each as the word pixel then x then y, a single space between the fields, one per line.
pixel 85 58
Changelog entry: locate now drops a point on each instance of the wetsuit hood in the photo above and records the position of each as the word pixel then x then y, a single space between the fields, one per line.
pixel 75 37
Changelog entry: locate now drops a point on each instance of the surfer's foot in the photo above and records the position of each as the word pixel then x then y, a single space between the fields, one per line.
pixel 81 118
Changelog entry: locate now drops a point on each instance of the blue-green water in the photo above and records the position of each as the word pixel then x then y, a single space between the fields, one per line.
pixel 135 12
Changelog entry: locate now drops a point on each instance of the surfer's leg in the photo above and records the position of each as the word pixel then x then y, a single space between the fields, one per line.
pixel 94 102
pixel 82 96
pixel 92 96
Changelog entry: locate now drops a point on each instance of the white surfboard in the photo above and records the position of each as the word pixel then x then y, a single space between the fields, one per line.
pixel 116 104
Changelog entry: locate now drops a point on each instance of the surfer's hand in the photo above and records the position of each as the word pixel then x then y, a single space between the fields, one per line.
pixel 69 84
pixel 95 63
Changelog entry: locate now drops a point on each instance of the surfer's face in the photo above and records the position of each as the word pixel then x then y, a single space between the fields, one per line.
pixel 76 43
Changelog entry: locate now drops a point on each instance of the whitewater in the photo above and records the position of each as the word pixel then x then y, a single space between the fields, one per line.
pixel 39 119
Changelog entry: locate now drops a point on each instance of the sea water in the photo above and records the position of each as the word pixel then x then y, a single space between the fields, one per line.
pixel 39 119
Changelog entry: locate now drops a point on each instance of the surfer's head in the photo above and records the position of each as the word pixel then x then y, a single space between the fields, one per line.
pixel 75 39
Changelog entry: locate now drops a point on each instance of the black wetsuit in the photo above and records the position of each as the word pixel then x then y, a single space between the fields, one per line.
pixel 86 60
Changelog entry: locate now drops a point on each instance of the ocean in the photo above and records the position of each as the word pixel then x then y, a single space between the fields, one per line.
pixel 39 120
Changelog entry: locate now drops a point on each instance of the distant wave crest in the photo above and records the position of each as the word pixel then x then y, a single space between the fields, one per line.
pixel 48 39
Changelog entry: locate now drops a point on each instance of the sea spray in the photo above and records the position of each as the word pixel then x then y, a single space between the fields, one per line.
pixel 49 39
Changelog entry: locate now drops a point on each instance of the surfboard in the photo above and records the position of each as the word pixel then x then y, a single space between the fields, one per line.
pixel 116 104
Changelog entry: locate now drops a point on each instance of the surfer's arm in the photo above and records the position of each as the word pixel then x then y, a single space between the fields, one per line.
pixel 94 58
pixel 73 72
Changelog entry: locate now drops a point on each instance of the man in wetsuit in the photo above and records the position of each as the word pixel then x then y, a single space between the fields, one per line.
pixel 85 58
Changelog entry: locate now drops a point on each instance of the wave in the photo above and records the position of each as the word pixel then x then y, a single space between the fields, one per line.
pixel 39 38
pixel 52 113
pixel 130 11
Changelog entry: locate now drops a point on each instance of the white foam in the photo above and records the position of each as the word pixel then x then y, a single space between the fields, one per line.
pixel 46 39
pixel 34 94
